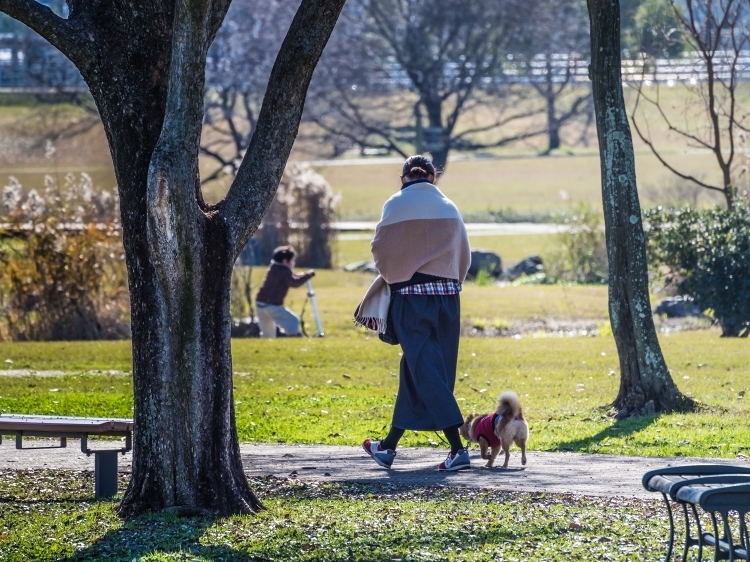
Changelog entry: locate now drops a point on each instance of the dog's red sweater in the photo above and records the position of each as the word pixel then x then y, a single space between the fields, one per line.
pixel 486 429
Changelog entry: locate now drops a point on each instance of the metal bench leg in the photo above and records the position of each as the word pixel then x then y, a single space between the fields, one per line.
pixel 700 532
pixel 19 442
pixel 670 546
pixel 689 541
pixel 718 554
pixel 105 474
pixel 728 535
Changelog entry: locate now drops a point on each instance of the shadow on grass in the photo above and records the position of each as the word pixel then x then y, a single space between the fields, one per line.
pixel 621 428
pixel 159 534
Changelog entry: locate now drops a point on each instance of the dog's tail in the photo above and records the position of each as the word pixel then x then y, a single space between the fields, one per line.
pixel 509 405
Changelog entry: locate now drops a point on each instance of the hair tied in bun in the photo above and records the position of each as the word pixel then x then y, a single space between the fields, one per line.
pixel 418 167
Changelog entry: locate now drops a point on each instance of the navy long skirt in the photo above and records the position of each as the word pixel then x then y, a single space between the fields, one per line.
pixel 428 328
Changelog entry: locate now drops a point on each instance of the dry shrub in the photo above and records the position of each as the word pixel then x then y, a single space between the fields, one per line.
pixel 63 273
pixel 581 255
pixel 301 214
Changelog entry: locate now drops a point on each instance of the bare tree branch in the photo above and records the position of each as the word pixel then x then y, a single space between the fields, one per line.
pixel 251 193
pixel 718 36
pixel 404 68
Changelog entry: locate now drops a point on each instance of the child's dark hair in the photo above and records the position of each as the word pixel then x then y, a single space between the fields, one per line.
pixel 283 253
pixel 418 167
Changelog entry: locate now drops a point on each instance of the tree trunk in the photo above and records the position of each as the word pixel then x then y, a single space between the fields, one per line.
pixel 645 382
pixel 436 138
pixel 145 67
pixel 553 123
pixel 179 257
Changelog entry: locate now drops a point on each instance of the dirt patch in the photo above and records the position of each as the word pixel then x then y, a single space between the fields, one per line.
pixel 554 327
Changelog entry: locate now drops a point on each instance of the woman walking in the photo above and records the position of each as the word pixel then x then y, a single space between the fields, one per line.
pixel 422 252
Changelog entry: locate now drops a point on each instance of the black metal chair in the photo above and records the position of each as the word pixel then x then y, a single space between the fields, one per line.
pixel 705 486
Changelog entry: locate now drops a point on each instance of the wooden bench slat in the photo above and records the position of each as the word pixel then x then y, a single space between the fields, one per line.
pixel 18 422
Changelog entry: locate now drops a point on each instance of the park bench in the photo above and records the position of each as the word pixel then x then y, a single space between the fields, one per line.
pixel 715 489
pixel 105 460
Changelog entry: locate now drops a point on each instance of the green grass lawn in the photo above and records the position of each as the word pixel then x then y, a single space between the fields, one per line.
pixel 50 516
pixel 342 389
pixel 338 294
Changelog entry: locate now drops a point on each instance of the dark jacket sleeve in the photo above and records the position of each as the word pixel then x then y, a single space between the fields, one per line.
pixel 293 280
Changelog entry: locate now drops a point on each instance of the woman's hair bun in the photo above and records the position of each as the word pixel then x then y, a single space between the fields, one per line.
pixel 418 167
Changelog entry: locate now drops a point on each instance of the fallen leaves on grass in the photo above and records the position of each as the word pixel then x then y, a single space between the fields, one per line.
pixel 50 515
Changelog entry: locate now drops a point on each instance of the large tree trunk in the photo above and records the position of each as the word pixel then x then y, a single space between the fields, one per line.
pixel 186 452
pixel 645 382
pixel 145 66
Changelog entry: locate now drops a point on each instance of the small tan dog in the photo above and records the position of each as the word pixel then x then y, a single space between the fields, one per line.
pixel 499 430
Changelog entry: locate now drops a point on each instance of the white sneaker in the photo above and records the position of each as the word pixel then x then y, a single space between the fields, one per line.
pixel 384 457
pixel 459 461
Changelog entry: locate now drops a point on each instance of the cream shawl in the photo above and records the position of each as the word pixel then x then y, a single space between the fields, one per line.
pixel 421 230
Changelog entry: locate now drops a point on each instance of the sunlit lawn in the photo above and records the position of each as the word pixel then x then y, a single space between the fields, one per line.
pixel 50 516
pixel 341 389
pixel 528 184
pixel 338 293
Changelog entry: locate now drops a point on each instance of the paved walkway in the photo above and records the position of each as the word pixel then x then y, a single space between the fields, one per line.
pixel 550 472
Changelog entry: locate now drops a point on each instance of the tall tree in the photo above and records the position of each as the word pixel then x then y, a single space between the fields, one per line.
pixel 714 111
pixel 553 54
pixel 401 74
pixel 644 376
pixel 144 63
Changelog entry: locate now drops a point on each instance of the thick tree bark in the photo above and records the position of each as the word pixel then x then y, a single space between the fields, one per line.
pixel 145 68
pixel 644 377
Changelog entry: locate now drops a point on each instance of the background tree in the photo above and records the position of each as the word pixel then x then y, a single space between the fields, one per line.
pixel 655 31
pixel 628 10
pixel 714 268
pixel 400 74
pixel 713 114
pixel 145 67
pixel 644 377
pixel 51 82
pixel 553 53
pixel 238 66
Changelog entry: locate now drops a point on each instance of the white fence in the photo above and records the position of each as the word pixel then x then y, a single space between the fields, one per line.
pixel 38 66
pixel 688 69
